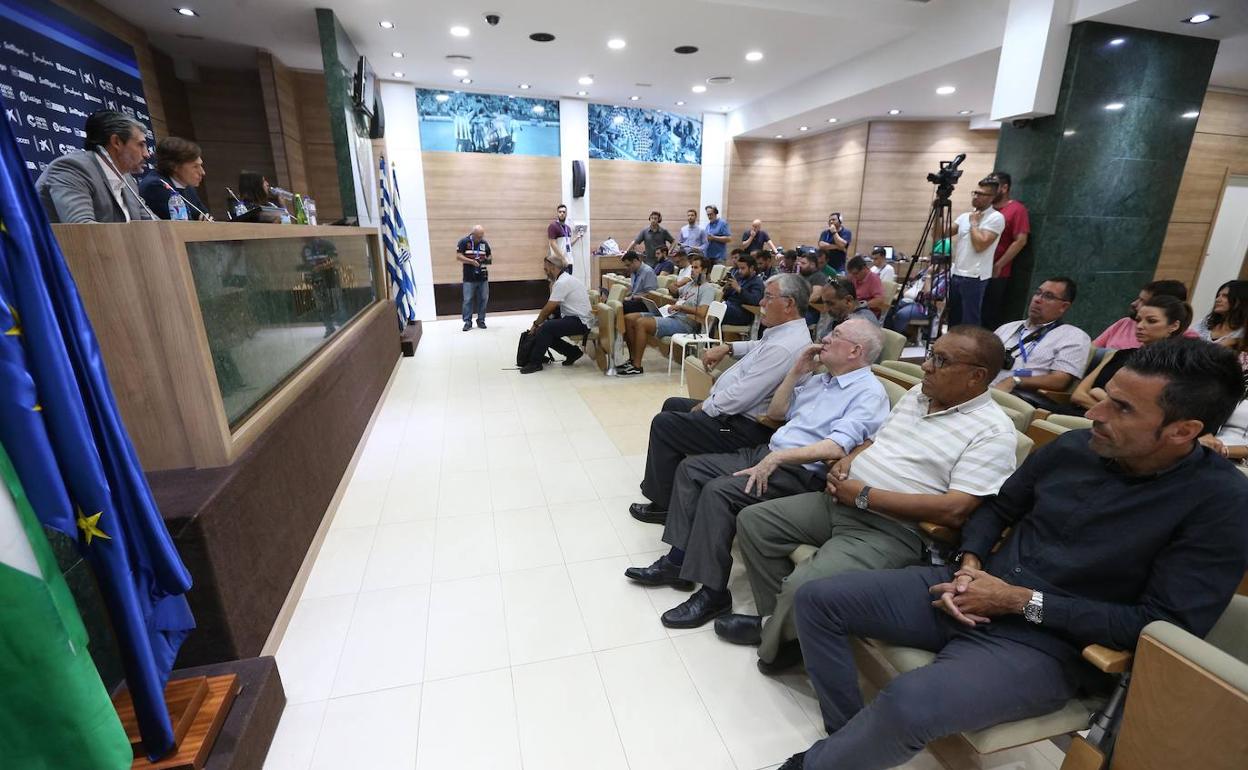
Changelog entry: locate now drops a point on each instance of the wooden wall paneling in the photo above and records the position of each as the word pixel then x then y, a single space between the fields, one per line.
pixel 1182 252
pixel 1209 160
pixel 1223 113
pixel 945 138
pixel 816 189
pixel 282 117
pixel 895 186
pixel 851 140
pixel 622 189
pixel 227 107
pixel 178 120
pixel 320 164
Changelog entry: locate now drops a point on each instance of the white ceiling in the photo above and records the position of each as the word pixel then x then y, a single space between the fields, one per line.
pixel 880 47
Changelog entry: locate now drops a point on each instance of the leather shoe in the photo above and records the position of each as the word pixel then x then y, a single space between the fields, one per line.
pixel 697 610
pixel 795 762
pixel 530 368
pixel 740 629
pixel 788 656
pixel 648 513
pixel 661 573
pixel 573 357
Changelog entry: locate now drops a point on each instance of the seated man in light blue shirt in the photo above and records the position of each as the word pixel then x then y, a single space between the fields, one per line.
pixel 827 415
pixel 641 280
pixel 691 235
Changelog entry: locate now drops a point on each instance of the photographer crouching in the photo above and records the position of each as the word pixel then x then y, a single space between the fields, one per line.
pixel 570 300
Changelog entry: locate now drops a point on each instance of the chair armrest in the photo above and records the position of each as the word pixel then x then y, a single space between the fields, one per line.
pixel 1041 414
pixel 941 532
pixel 755 309
pixel 1108 660
pixel 770 423
pixel 660 298
pixel 1056 396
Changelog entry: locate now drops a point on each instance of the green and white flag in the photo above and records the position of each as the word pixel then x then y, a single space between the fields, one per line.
pixel 54 711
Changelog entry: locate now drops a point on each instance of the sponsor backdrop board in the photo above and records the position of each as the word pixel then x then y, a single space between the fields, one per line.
pixel 55 70
pixel 654 136
pixel 457 121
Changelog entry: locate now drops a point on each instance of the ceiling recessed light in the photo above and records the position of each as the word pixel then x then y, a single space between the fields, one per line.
pixel 754 56
pixel 685 49
pixel 894 111
pixel 1192 114
pixel 680 104
pixel 541 37
pixel 1118 41
pixel 1068 132
pixel 634 98
pixel 442 98
pixel 460 72
pixel 460 31
pixel 525 86
pixel 832 120
pixel 585 80
pixel 803 128
pixel 386 24
pixel 1115 106
pixel 185 11
pixel 779 136
pixel 582 93
pixel 397 54
pixel 616 43
pixel 699 89
pixel 398 74
pixel 466 81
pixel 945 90
pixel 1199 18
pixel 965 112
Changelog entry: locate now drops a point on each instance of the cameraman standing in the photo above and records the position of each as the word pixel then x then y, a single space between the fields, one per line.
pixel 474 252
pixel 975 234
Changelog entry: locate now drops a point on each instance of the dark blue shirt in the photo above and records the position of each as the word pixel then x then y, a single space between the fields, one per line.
pixel 751 292
pixel 836 257
pixel 157 197
pixel 474 274
pixel 756 243
pixel 714 249
pixel 1111 551
pixel 666 265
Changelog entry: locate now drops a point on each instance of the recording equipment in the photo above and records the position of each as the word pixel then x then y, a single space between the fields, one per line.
pixel 124 184
pixel 203 215
pixel 947 177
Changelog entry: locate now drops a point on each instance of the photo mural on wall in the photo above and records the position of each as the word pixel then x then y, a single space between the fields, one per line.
pixel 458 121
pixel 655 136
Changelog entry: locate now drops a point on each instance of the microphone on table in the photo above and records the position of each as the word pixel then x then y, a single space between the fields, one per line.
pixel 204 215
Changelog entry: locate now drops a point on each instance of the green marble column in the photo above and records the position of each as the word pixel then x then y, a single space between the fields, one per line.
pixel 1099 177
pixel 346 126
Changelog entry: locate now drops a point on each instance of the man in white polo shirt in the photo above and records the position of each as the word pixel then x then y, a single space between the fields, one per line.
pixel 1044 352
pixel 944 448
pixel 975 234
pixel 569 296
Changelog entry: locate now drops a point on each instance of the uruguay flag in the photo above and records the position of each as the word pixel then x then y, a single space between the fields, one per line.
pixel 398 255
pixel 60 424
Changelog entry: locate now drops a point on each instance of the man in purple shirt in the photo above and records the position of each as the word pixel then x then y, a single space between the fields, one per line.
pixel 560 238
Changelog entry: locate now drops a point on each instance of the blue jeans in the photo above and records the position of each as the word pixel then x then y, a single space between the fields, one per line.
pixel 966 299
pixel 476 294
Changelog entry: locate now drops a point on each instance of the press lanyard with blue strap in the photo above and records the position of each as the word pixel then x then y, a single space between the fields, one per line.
pixel 1035 338
pixel 473 247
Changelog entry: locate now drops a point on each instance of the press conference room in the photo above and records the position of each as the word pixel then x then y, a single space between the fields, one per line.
pixel 719 384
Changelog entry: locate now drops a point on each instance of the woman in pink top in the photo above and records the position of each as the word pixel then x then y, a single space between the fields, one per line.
pixel 1120 335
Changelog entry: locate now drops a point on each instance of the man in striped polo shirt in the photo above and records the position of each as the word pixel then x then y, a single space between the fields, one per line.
pixel 945 447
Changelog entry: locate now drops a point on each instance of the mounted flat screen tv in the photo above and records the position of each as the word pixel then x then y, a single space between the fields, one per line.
pixel 365 87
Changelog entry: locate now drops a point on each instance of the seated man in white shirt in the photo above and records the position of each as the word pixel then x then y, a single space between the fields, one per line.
pixel 1042 352
pixel 880 266
pixel 569 296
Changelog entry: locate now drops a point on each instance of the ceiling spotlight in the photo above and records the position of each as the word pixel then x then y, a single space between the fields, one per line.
pixel 616 43
pixel 585 80
pixel 945 90
pixel 442 98
pixel 894 111
pixel 779 136
pixel 582 93
pixel 965 112
pixel 397 54
pixel 466 81
pixel 680 103
pixel 386 24
pixel 460 72
pixel 1118 41
pixel 1192 114
pixel 699 89
pixel 398 74
pixel 460 31
pixel 185 11
pixel 803 128
pixel 831 120
pixel 754 56
pixel 1114 106
pixel 634 98
pixel 525 86
pixel 1199 18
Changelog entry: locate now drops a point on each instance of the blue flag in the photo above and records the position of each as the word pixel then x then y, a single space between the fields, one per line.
pixel 60 426
pixel 398 255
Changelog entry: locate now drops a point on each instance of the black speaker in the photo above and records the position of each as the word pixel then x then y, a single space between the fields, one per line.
pixel 578 179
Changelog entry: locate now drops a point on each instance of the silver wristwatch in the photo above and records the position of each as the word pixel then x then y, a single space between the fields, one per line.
pixel 1017 380
pixel 860 502
pixel 1034 610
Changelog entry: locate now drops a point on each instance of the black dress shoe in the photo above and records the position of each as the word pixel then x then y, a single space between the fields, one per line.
pixel 740 629
pixel 698 609
pixel 795 762
pixel 648 513
pixel 661 573
pixel 788 656
pixel 530 368
pixel 574 357
pixel 480 324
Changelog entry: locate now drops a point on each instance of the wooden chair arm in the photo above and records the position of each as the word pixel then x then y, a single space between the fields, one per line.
pixel 755 309
pixel 1041 414
pixel 1056 396
pixel 1108 660
pixel 659 298
pixel 940 532
pixel 770 423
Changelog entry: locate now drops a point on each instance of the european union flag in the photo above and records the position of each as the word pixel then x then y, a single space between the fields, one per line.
pixel 60 425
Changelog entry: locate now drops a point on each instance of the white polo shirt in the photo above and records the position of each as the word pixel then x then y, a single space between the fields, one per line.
pixel 967 262
pixel 572 297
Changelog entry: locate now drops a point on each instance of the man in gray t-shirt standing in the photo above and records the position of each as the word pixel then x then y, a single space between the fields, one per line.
pixel 652 237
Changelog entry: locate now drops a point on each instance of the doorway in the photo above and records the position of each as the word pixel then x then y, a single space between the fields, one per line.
pixel 1228 244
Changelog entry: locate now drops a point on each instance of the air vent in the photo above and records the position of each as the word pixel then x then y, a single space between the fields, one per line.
pixel 721 80
pixel 686 49
pixel 541 37
pixel 643 85
pixel 458 57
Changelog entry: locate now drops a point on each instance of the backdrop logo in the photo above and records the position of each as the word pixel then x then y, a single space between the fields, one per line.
pixel 92 98
pixel 14 49
pixel 45 145
pixel 6 91
pixel 64 149
pixel 49 83
pixel 40 60
pixel 30 98
pixel 22 140
pixel 24 75
pixel 77 112
pixel 67 70
pixel 51 105
pixel 71 91
pixel 37 121
pixel 13 115
pixel 88 78
pixel 108 86
pixel 61 129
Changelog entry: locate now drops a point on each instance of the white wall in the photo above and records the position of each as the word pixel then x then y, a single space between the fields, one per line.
pixel 1227 244
pixel 403 153
pixel 574 145
pixel 714 162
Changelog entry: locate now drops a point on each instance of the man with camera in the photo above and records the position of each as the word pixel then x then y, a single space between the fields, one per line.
pixel 474 252
pixel 975 234
pixel 1042 352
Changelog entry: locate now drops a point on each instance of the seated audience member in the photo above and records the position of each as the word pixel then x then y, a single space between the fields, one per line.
pixel 756 238
pixel 728 419
pixel 741 287
pixel 1159 318
pixel 944 448
pixel 686 317
pixel 826 416
pixel 665 264
pixel 180 168
pixel 788 262
pixel 880 266
pixel 94 184
pixel 1045 353
pixel 1232 441
pixel 808 269
pixel 867 285
pixel 1226 322
pixel 920 300
pixel 569 297
pixel 1101 532
pixel 254 190
pixel 766 265
pixel 841 304
pixel 642 280
pixel 1120 335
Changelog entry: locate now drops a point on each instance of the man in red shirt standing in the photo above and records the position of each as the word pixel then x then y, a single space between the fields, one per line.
pixel 1013 239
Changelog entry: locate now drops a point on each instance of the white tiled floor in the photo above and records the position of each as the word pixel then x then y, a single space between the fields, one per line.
pixel 468 608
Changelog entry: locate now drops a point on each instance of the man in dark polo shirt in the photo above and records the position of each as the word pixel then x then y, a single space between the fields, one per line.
pixel 1108 529
pixel 474 252
pixel 652 238
pixel 834 242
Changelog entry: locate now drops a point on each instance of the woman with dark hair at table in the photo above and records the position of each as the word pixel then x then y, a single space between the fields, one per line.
pixel 253 189
pixel 180 169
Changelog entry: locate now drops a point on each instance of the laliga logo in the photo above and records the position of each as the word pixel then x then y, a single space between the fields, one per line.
pixel 28 98
pixel 62 129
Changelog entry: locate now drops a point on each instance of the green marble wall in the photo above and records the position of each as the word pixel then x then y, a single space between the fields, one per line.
pixel 1100 183
pixel 81 580
pixel 340 56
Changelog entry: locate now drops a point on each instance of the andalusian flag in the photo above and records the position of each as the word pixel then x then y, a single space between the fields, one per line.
pixel 55 712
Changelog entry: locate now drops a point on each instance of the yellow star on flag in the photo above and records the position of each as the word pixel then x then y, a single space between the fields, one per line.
pixel 90 526
pixel 16 330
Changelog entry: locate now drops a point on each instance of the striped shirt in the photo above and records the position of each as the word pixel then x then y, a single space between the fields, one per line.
pixel 969 448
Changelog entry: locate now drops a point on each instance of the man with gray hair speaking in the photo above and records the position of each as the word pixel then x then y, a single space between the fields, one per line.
pixel 94 184
pixel 825 417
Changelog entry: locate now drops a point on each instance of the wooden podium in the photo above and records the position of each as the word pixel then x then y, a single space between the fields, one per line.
pixel 197 707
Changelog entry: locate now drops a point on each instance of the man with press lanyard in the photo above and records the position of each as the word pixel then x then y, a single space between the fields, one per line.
pixel 560 238
pixel 1043 352
pixel 474 252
